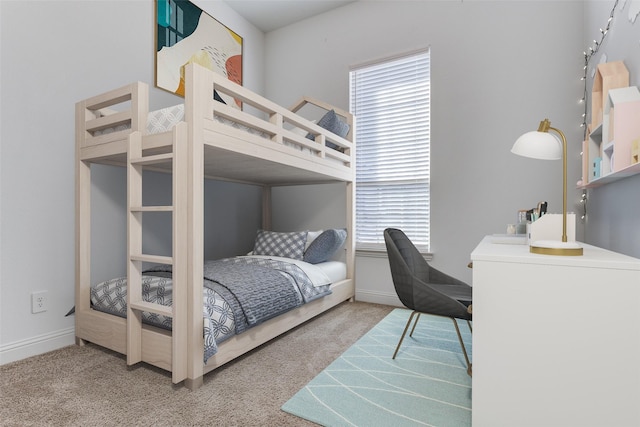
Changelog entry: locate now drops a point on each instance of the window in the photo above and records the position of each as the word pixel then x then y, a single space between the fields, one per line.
pixel 391 102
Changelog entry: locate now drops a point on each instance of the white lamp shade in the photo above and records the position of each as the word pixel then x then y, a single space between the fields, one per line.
pixel 538 145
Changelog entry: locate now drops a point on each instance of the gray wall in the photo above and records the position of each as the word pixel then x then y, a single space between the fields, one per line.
pixel 232 212
pixel 498 68
pixel 55 53
pixel 613 210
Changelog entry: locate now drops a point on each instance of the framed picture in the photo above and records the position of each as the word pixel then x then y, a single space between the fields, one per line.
pixel 186 34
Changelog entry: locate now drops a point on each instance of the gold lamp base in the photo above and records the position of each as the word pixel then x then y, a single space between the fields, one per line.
pixel 552 247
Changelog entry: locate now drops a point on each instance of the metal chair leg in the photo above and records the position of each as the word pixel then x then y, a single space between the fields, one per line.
pixel 464 349
pixel 406 328
pixel 413 313
pixel 414 325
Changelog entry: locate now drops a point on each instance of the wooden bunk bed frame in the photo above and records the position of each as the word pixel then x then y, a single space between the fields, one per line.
pixel 197 148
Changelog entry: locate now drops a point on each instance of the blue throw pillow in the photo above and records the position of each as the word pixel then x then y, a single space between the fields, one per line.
pixel 331 122
pixel 288 245
pixel 325 245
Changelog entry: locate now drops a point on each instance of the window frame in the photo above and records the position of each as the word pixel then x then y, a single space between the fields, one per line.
pixel 418 220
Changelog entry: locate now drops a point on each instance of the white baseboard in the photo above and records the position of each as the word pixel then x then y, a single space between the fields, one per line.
pixel 377 297
pixel 37 345
pixel 52 341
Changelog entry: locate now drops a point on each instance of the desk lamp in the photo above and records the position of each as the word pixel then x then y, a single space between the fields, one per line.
pixel 544 146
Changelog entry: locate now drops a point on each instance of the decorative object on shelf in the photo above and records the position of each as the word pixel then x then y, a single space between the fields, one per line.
pixel 596 169
pixel 542 145
pixel 621 124
pixel 609 75
pixel 185 34
pixel 596 143
pixel 635 151
pixel 608 150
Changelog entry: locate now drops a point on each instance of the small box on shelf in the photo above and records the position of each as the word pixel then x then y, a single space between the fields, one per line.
pixel 595 168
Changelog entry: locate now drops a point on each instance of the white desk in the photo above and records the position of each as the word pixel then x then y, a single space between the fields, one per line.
pixel 556 340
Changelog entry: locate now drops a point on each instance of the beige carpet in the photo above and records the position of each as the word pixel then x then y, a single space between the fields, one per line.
pixel 90 386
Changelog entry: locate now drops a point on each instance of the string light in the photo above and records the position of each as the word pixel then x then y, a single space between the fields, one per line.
pixel 583 202
pixel 587 58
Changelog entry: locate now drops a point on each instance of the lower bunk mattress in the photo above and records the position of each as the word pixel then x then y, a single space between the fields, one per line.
pixel 238 293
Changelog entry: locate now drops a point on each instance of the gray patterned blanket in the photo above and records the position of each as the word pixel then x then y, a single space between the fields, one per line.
pixel 255 292
pixel 239 293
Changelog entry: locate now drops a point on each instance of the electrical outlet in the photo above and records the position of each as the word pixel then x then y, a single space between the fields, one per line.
pixel 39 302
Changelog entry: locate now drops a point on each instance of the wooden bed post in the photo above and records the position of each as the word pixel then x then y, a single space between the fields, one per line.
pixel 198 104
pixel 351 206
pixel 351 238
pixel 83 222
pixel 180 238
pixel 266 207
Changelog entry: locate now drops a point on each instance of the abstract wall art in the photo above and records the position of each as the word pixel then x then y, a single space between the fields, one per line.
pixel 186 34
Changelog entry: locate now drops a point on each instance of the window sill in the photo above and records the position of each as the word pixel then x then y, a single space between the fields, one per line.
pixel 382 253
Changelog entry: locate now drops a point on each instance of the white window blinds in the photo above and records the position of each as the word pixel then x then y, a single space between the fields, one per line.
pixel 391 102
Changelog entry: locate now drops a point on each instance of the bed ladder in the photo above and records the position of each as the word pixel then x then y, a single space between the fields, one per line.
pixel 136 161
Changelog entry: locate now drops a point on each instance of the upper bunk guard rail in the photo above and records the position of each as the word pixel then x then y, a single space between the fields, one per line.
pixel 281 124
pixel 126 107
pixel 178 311
pixel 104 122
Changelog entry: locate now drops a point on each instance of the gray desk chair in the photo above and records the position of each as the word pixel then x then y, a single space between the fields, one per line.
pixel 424 289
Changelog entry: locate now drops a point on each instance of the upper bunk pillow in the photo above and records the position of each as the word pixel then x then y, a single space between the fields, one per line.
pixel 288 245
pixel 325 245
pixel 331 122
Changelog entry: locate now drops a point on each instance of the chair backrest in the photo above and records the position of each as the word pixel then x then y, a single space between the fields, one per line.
pixel 406 262
pixel 421 287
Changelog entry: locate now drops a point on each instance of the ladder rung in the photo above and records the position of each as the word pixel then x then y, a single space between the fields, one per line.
pixel 152 308
pixel 153 160
pixel 151 209
pixel 152 258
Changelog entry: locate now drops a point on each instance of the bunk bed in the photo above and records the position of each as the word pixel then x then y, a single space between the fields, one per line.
pixel 267 146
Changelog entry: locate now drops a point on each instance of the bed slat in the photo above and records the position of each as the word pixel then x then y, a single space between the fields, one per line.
pixel 152 308
pixel 153 160
pixel 158 259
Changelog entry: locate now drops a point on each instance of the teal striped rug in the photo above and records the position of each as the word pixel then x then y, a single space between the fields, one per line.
pixel 426 385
